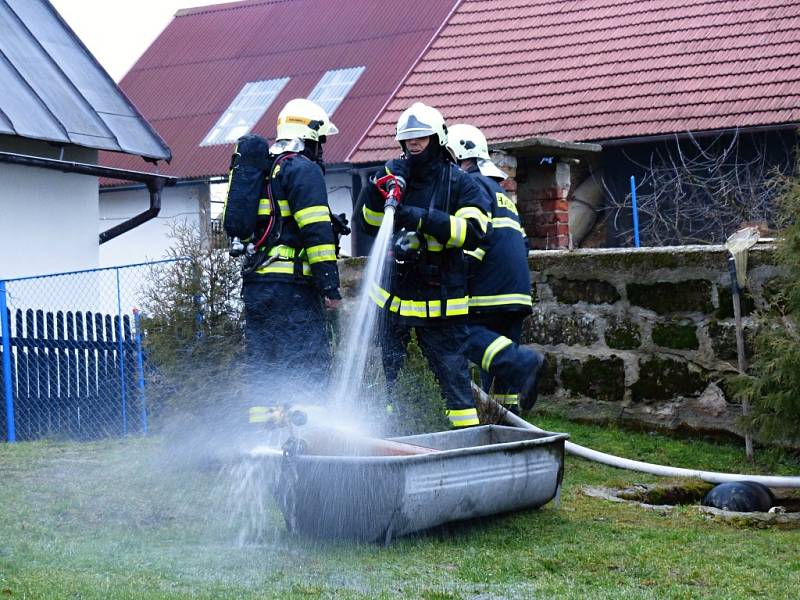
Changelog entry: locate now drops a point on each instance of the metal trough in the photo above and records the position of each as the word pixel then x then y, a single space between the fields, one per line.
pixel 475 472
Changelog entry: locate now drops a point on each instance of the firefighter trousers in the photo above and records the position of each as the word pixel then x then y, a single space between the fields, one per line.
pixel 444 345
pixel 287 340
pixel 494 347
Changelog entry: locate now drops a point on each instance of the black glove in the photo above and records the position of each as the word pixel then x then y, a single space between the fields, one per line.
pixel 411 218
pixel 399 167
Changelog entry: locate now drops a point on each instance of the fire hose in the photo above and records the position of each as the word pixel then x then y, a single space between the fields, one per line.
pixel 773 481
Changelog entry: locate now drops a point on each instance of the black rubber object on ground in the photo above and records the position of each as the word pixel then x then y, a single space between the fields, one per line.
pixel 740 496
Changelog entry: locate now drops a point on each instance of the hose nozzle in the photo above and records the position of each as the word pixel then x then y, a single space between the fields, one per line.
pixel 391 188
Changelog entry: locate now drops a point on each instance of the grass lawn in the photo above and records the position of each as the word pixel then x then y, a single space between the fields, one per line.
pixel 133 519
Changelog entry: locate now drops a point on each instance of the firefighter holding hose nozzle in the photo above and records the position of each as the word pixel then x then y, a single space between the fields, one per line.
pixel 438 213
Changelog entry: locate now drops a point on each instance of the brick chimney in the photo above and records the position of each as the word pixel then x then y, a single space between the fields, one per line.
pixel 542 189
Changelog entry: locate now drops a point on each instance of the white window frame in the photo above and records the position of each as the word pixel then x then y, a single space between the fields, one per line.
pixel 334 87
pixel 245 111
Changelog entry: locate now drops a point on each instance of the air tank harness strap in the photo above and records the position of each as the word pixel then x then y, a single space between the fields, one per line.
pixel 284 252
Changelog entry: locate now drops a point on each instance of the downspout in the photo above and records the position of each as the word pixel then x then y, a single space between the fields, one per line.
pixel 155 184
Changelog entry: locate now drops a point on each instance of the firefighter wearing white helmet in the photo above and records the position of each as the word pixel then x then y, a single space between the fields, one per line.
pixel 420 120
pixel 440 214
pixel 499 282
pixel 305 120
pixel 286 297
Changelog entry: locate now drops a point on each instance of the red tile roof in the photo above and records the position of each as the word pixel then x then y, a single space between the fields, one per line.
pixel 594 70
pixel 197 66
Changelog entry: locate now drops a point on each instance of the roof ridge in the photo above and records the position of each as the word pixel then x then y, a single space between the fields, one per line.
pixel 227 6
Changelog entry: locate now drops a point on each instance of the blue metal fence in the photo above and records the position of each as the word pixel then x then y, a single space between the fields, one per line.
pixel 72 358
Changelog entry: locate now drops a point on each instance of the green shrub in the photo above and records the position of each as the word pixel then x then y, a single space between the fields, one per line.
pixel 193 326
pixel 773 388
pixel 417 404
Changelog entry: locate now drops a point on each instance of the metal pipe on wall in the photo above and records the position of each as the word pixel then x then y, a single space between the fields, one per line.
pixel 154 182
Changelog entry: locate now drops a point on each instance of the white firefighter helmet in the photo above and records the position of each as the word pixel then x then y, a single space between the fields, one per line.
pixel 465 141
pixel 420 120
pixel 304 119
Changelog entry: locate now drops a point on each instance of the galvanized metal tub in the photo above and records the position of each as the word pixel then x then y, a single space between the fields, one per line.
pixel 478 471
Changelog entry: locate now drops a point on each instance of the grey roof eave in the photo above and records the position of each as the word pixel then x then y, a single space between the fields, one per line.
pixel 56 91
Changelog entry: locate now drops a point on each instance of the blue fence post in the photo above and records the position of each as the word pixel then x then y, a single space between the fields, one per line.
pixel 121 359
pixel 137 320
pixel 635 209
pixel 5 331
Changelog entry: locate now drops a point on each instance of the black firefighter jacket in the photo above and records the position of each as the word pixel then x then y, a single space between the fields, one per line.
pixel 456 219
pixel 499 276
pixel 305 252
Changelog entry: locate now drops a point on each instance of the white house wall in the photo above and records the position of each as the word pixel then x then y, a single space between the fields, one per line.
pixel 47 218
pixel 185 204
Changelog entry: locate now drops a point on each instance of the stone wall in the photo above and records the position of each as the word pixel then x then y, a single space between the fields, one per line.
pixel 642 336
pixel 645 336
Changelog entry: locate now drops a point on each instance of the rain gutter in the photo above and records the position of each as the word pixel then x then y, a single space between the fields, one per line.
pixel 154 182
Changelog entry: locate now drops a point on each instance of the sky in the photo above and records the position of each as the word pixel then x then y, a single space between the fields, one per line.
pixel 118 32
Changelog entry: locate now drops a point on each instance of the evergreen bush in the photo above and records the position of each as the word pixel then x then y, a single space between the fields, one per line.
pixel 773 388
pixel 193 327
pixel 417 404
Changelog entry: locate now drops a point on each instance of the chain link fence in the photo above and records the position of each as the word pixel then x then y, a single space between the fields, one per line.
pixel 73 365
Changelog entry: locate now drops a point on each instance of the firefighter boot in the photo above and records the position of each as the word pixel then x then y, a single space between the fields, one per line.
pixel 529 392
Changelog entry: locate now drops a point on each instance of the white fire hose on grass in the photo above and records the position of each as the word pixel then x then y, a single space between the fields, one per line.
pixel 772 481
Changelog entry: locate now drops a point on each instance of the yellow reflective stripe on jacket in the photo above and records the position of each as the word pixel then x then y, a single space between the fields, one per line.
pixel 284 251
pixel 507 399
pixel 420 309
pixel 379 295
pixel 478 253
pixel 413 308
pixel 492 350
pixel 499 222
pixel 258 414
pixel 471 212
pixel 321 253
pixel 458 232
pixel 283 267
pixel 372 217
pixel 433 244
pixel 457 306
pixel 465 417
pixel 312 214
pixel 264 207
pixel 500 299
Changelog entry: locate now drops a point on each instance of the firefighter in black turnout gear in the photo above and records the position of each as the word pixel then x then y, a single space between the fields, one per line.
pixel 441 213
pixel 499 283
pixel 285 297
